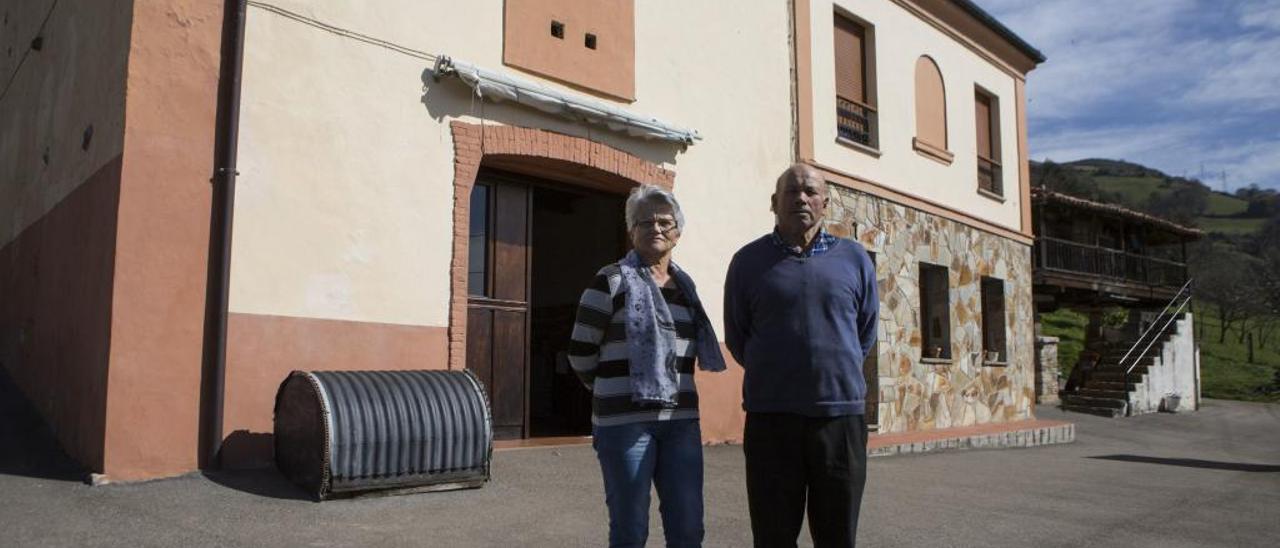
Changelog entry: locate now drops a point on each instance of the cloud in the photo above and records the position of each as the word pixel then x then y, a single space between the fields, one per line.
pixel 1099 52
pixel 1264 15
pixel 1122 142
pixel 1245 77
pixel 1172 84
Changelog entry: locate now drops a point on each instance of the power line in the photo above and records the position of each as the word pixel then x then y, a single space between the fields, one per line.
pixel 30 46
pixel 347 33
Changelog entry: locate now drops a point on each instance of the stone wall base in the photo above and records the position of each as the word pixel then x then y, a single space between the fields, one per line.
pixel 1030 433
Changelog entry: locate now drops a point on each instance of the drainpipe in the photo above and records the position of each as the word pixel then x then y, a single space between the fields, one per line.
pixel 224 192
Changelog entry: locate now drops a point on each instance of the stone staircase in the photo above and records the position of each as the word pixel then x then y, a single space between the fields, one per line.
pixel 1105 388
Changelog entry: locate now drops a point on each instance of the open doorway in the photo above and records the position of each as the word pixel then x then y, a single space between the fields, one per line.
pixel 534 246
pixel 574 233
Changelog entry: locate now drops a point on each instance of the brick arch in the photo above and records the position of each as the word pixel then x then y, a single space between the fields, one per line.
pixel 535 152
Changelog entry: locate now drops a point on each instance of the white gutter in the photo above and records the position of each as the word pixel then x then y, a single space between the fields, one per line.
pixel 497 86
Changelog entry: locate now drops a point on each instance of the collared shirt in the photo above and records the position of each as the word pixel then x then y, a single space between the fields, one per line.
pixel 821 243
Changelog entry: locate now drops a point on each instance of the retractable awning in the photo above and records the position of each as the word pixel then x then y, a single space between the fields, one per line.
pixel 497 86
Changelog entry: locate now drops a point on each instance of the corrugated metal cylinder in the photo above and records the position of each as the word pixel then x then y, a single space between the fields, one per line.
pixel 343 431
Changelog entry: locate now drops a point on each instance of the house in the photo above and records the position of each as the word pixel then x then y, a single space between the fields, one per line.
pixel 199 198
pixel 1095 257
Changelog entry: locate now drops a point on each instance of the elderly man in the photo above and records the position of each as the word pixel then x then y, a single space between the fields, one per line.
pixel 800 312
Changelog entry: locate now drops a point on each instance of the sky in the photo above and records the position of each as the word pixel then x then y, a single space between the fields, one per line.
pixel 1183 86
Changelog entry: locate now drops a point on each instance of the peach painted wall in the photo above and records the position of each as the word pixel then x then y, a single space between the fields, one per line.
pixel 74 83
pixel 61 136
pixel 157 325
pixel 56 286
pixel 263 350
pixel 608 69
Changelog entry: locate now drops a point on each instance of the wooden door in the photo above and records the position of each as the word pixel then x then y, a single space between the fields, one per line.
pixel 498 298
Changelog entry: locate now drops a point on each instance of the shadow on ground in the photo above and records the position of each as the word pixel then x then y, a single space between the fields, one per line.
pixel 1194 463
pixel 27 444
pixel 263 482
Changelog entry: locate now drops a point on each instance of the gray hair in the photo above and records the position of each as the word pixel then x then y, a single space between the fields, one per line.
pixel 652 194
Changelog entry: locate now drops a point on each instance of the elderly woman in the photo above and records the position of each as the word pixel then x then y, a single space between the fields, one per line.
pixel 639 331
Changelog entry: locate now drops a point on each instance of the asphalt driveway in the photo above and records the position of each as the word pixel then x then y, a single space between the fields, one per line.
pixel 1210 478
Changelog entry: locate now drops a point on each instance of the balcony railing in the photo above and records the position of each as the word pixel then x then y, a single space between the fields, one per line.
pixel 989 176
pixel 856 121
pixel 1104 262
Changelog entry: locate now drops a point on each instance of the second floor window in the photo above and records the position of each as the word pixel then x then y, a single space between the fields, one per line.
pixel 856 119
pixel 987 113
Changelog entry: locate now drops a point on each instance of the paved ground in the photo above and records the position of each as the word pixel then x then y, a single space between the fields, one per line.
pixel 1210 478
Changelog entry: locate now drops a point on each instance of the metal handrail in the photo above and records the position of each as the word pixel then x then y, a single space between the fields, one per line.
pixel 989 175
pixel 1183 295
pixel 856 121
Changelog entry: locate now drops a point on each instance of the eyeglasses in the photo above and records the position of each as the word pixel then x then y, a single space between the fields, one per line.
pixel 658 225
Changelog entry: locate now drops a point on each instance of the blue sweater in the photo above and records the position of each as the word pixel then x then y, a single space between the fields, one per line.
pixel 801 327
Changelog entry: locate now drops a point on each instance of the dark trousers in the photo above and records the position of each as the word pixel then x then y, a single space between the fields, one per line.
pixel 793 457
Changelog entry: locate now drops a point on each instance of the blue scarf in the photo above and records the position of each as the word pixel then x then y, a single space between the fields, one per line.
pixel 651 333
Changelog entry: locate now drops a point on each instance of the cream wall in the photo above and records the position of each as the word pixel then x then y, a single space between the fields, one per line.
pixel 345 198
pixel 901 38
pixel 76 81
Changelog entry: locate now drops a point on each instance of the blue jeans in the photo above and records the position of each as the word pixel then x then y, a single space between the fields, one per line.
pixel 664 454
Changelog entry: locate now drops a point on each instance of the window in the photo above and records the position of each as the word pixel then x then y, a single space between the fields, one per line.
pixel 856 120
pixel 993 336
pixel 935 312
pixel 987 113
pixel 931 112
pixel 477 243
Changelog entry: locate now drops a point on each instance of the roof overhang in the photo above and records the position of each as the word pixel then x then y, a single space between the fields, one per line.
pixel 1041 195
pixel 975 23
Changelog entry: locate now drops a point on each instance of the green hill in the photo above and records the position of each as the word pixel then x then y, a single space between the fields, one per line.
pixel 1145 189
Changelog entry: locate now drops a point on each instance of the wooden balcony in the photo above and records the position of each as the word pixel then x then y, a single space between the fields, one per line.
pixel 1112 264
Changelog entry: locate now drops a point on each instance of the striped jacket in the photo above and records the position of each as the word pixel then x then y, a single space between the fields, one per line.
pixel 598 353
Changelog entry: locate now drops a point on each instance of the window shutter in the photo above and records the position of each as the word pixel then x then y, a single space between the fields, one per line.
pixel 982 107
pixel 850 71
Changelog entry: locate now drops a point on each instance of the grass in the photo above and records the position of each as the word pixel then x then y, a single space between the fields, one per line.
pixel 1224 369
pixel 1068 326
pixel 1133 190
pixel 1230 226
pixel 1137 190
pixel 1222 205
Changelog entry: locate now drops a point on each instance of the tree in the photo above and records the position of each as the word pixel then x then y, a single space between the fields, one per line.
pixel 1064 179
pixel 1183 204
pixel 1225 279
pixel 1268 283
pixel 1266 242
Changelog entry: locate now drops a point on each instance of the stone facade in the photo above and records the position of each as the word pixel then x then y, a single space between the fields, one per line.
pixel 1046 369
pixel 1033 433
pixel 917 394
